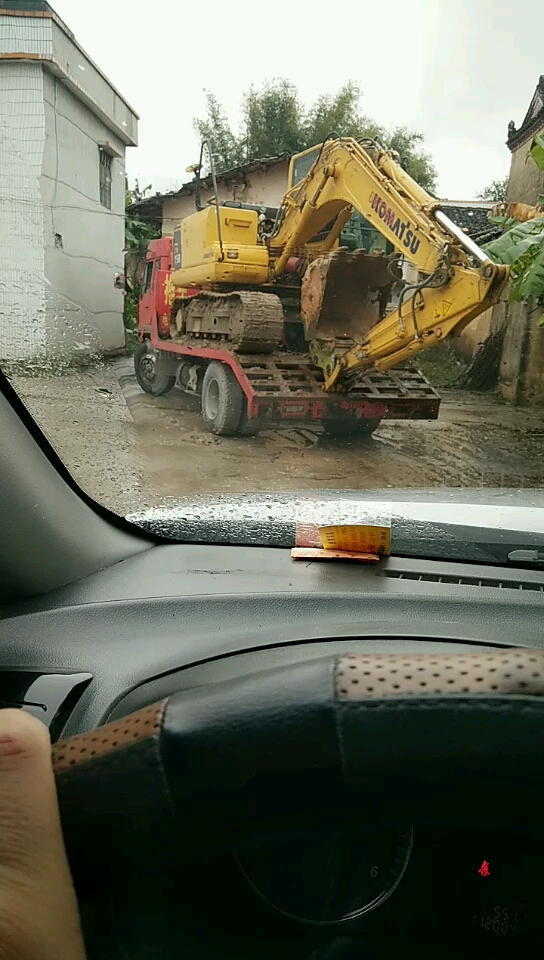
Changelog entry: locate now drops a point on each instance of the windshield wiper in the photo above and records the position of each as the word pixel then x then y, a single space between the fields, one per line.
pixel 526 556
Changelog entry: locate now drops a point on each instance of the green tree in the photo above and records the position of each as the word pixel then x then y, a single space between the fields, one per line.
pixel 215 128
pixel 496 191
pixel 416 162
pixel 274 122
pixel 338 113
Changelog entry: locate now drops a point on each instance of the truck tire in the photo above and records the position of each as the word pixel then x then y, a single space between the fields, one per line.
pixel 350 427
pixel 222 400
pixel 146 375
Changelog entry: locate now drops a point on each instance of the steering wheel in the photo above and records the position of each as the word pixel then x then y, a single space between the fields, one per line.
pixel 388 739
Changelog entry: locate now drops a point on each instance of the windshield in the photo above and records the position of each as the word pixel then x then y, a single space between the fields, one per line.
pixel 335 314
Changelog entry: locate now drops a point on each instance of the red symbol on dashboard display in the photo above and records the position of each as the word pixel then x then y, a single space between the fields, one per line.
pixel 484 870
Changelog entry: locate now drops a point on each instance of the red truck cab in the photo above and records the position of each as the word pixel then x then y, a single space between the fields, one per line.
pixel 154 295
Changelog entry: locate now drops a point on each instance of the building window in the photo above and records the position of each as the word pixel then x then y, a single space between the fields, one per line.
pixel 105 161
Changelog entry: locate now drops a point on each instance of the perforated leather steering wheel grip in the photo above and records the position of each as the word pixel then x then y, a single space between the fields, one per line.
pixel 390 738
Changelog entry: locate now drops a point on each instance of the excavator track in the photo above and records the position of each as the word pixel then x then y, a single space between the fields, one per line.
pixel 249 321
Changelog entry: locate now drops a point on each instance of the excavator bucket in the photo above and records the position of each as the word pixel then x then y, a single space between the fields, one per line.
pixel 344 294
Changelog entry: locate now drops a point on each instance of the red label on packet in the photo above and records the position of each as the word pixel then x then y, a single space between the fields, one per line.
pixel 317 553
pixel 307 535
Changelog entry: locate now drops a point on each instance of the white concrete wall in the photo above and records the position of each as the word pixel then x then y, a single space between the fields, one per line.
pixel 83 239
pixel 266 186
pixel 48 38
pixel 91 84
pixel 59 246
pixel 23 287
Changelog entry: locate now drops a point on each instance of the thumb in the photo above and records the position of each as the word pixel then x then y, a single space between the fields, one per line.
pixel 39 918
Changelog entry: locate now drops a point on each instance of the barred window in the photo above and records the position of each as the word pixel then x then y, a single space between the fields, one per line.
pixel 105 161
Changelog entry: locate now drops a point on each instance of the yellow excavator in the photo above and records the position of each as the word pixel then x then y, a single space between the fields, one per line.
pixel 251 282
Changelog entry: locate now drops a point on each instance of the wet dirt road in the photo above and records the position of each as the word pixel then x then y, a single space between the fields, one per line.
pixel 129 450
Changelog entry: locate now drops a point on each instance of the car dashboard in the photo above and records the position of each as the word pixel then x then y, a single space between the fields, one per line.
pixel 445 903
pixel 183 616
pixel 464 893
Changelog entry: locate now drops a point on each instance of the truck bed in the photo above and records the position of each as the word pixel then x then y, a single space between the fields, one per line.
pixel 286 386
pixel 291 387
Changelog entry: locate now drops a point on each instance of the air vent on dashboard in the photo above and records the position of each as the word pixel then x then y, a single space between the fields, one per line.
pixel 50 697
pixel 464 581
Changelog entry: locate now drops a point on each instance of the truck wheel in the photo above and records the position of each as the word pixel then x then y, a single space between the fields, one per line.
pixel 222 399
pixel 351 427
pixel 145 369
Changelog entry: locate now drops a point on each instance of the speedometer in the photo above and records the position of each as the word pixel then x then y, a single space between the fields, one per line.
pixel 328 880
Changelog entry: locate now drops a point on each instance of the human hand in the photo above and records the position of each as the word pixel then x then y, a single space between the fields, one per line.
pixel 39 917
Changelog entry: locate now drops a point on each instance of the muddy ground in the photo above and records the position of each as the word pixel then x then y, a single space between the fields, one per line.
pixel 129 450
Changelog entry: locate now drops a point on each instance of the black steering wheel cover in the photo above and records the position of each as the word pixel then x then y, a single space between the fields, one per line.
pixel 255 756
pixel 279 752
pixel 306 747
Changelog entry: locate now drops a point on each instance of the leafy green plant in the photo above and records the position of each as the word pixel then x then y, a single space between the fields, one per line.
pixel 138 233
pixel 130 319
pixel 441 365
pixel 528 280
pixel 537 150
pixel 522 245
pixel 273 120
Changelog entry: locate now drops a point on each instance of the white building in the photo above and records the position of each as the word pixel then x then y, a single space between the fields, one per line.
pixel 63 133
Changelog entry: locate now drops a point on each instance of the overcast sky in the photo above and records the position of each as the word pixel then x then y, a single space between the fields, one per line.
pixel 455 70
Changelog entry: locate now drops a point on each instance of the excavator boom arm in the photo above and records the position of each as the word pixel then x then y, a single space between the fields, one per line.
pixel 377 187
pixel 423 321
pixel 459 281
